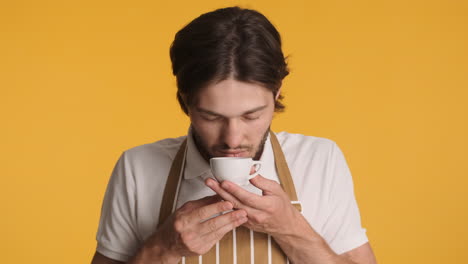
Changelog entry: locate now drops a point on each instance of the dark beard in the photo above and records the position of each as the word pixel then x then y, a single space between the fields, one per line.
pixel 207 156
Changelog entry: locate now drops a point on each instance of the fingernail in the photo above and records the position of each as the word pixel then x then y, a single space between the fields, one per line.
pixel 242 214
pixel 227 206
pixel 209 182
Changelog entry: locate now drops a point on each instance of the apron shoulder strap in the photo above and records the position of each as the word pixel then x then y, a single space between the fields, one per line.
pixel 170 191
pixel 284 174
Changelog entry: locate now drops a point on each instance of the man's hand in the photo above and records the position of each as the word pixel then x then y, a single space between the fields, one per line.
pixel 187 231
pixel 271 213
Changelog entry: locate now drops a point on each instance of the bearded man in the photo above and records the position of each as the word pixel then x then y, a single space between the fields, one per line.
pixel 162 203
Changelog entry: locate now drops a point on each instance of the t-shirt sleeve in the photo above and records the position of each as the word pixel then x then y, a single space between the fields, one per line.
pixel 343 230
pixel 117 236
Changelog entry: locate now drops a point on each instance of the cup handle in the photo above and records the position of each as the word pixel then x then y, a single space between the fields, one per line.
pixel 257 165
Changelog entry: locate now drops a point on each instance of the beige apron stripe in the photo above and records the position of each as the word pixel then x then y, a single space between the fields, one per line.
pixel 210 256
pixel 200 260
pixel 243 248
pixel 225 249
pixel 261 248
pixel 183 260
pixel 192 260
pixel 277 255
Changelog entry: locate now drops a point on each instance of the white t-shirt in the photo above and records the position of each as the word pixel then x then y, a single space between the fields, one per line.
pixel 323 182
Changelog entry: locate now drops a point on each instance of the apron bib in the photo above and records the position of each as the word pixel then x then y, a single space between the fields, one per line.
pixel 241 245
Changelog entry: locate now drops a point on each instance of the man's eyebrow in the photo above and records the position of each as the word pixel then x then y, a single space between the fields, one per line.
pixel 256 109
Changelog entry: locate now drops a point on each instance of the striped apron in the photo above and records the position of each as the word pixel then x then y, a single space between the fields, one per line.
pixel 241 245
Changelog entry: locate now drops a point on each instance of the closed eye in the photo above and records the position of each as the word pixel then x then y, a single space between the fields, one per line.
pixel 211 117
pixel 252 117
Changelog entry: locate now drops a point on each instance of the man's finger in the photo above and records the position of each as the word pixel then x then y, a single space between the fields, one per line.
pixel 205 212
pixel 237 204
pixel 215 223
pixel 252 211
pixel 221 231
pixel 266 185
pixel 245 197
pixel 214 185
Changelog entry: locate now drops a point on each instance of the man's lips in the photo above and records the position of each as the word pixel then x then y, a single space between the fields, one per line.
pixel 233 153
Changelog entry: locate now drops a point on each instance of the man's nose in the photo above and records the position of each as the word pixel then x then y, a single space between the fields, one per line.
pixel 232 133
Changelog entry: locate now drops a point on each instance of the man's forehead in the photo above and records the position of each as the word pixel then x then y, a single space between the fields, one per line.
pixel 233 97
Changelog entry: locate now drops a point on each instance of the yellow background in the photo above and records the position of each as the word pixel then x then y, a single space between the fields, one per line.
pixel 82 81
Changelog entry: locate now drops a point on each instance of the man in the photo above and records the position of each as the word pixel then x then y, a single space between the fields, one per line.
pixel 162 204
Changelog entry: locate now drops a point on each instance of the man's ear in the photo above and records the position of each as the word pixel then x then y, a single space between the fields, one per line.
pixel 277 94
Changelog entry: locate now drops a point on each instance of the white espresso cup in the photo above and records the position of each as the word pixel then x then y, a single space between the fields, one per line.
pixel 234 169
